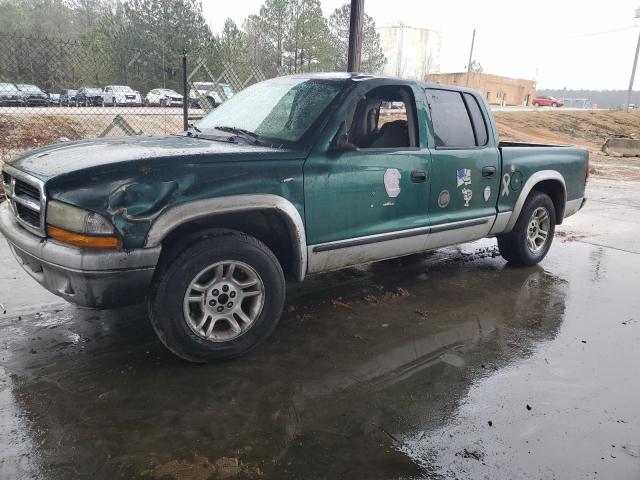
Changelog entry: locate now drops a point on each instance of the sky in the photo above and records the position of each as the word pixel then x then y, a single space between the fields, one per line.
pixel 559 43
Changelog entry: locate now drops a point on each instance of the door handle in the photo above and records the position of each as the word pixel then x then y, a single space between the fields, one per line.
pixel 488 171
pixel 418 176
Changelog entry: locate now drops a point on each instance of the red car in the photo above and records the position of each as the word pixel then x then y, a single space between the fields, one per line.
pixel 544 101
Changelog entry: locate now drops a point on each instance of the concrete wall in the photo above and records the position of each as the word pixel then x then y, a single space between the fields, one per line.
pixel 411 52
pixel 496 89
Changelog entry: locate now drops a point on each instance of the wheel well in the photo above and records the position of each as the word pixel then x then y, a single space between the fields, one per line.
pixel 555 190
pixel 266 225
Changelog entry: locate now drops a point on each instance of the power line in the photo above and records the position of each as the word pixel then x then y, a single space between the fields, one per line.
pixel 595 34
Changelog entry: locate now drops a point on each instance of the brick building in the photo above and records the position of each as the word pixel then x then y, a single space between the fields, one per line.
pixel 496 89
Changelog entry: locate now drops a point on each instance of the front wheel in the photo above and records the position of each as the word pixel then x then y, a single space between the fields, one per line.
pixel 529 241
pixel 218 299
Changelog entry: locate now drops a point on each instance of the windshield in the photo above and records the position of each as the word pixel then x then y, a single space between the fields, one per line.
pixel 92 91
pixel 280 109
pixel 168 92
pixel 121 88
pixel 29 88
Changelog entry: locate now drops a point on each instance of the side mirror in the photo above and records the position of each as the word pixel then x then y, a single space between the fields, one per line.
pixel 340 142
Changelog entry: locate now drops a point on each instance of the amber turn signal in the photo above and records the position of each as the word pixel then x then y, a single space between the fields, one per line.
pixel 80 240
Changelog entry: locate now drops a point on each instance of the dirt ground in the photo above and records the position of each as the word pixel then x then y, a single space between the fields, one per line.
pixel 588 129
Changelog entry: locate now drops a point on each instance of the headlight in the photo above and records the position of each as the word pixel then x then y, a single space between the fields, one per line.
pixel 79 227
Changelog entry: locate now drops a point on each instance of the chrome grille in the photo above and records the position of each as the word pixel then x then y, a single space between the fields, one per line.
pixel 27 199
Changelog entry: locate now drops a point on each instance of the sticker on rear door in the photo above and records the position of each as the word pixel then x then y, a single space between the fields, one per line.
pixel 463 177
pixel 467 193
pixel 392 182
pixel 444 198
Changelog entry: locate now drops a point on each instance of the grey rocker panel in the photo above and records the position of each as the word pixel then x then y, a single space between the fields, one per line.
pixel 357 251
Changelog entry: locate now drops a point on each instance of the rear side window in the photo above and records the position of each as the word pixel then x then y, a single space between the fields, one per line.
pixel 451 122
pixel 479 125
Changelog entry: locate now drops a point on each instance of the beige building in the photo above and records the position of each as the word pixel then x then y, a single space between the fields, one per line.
pixel 496 89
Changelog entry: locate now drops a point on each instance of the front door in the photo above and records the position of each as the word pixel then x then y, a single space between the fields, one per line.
pixel 465 168
pixel 360 199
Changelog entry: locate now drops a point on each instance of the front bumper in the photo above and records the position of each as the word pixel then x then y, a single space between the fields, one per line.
pixel 90 278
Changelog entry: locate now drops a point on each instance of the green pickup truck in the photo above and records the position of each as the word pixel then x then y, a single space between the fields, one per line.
pixel 292 176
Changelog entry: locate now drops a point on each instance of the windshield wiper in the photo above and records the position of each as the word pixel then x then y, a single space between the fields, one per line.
pixel 195 132
pixel 241 132
pixel 193 129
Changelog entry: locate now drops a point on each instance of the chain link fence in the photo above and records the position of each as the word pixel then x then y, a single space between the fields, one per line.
pixel 58 90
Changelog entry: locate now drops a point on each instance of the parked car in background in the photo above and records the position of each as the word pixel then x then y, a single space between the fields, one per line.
pixel 209 92
pixel 68 98
pixel 88 97
pixel 10 95
pixel 54 99
pixel 33 96
pixel 121 95
pixel 547 101
pixel 163 97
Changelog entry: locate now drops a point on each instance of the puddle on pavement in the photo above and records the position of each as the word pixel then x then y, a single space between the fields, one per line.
pixel 389 371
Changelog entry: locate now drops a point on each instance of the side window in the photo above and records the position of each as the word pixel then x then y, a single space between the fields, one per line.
pixel 383 119
pixel 479 125
pixel 451 122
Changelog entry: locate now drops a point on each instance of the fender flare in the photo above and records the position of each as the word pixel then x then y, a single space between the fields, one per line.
pixel 177 215
pixel 533 180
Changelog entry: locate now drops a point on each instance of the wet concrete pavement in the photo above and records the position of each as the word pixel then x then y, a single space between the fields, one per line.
pixel 444 365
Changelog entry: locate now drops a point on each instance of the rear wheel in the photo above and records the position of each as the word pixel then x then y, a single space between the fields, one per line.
pixel 532 235
pixel 218 299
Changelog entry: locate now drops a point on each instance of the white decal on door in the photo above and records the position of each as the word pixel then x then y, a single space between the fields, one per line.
pixel 467 193
pixel 392 182
pixel 505 184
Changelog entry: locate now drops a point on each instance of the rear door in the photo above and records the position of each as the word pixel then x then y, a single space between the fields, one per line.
pixel 465 160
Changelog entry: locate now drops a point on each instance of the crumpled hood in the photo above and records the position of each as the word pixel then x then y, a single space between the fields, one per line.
pixel 87 155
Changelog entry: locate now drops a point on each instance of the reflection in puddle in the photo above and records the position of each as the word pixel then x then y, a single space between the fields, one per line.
pixel 336 392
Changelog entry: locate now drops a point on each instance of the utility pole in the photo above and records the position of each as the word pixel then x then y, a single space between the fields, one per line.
pixel 635 64
pixel 473 39
pixel 355 36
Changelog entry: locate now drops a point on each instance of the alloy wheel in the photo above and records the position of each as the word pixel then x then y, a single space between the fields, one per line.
pixel 223 301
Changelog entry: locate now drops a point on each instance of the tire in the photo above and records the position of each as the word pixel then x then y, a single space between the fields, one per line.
pixel 515 246
pixel 536 104
pixel 554 105
pixel 182 325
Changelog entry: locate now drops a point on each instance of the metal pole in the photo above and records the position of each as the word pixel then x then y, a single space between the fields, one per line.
pixel 473 39
pixel 633 72
pixel 185 93
pixel 355 36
